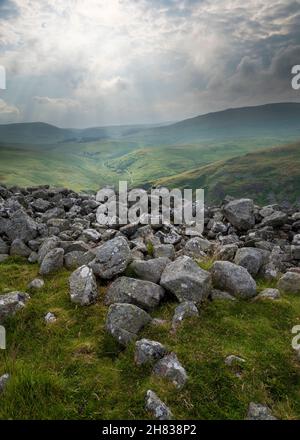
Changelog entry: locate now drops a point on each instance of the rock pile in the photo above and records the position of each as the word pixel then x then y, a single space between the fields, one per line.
pixel 144 265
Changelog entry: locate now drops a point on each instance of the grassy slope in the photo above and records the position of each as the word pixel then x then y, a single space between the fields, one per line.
pixel 73 369
pixel 256 174
pixel 91 165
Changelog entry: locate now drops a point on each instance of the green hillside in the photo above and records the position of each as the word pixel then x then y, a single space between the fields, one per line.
pixel 266 175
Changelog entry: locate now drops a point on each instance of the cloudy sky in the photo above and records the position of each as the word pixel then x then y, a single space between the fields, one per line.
pixel 77 63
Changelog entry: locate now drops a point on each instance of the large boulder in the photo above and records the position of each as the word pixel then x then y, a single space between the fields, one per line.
pixel 240 213
pixel 144 294
pixel 19 248
pixel 11 303
pixel 156 407
pixel 186 280
pixel 149 270
pixel 124 321
pixel 112 258
pixel 52 262
pixel 20 225
pixel 47 246
pixel 234 279
pixel 251 259
pixel 289 283
pixel 170 368
pixel 276 219
pixel 147 351
pixel 83 286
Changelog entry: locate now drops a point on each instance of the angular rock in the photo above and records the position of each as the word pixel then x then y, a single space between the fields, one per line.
pixel 251 259
pixel 124 321
pixel 21 226
pixel 164 250
pixel 19 248
pixel 195 247
pixel 156 407
pixel 186 280
pixel 185 310
pixel 112 258
pixel 276 219
pixel 269 294
pixel 4 248
pixel 220 295
pixel 149 270
pixel 147 351
pixel 52 262
pixel 75 259
pixel 48 244
pixel 289 283
pixel 50 318
pixel 11 303
pixel 256 411
pixel 232 360
pixel 240 213
pixel 170 368
pixel 83 286
pixel 143 294
pixel 234 279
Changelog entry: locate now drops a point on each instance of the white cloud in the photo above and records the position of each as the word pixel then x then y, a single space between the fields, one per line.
pixel 8 113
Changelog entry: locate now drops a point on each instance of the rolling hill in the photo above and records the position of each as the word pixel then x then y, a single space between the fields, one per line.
pixel 267 175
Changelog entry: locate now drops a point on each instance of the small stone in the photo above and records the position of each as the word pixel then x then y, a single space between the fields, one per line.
pixel 185 310
pixel 234 360
pixel 36 284
pixel 3 382
pixel 256 411
pixel 83 286
pixel 147 351
pixel 156 407
pixel 170 368
pixel 268 294
pixel 50 317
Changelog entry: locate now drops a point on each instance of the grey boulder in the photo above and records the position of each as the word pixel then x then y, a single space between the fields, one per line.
pixel 234 279
pixel 11 303
pixel 185 310
pixel 83 286
pixel 186 280
pixel 256 411
pixel 240 213
pixel 289 283
pixel 52 262
pixel 124 321
pixel 147 351
pixel 149 270
pixel 156 407
pixel 112 258
pixel 144 294
pixel 170 368
pixel 251 259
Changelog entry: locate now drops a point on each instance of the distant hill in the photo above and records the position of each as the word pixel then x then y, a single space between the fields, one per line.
pixel 267 176
pixel 271 120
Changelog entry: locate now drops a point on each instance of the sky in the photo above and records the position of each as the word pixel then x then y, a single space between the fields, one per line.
pixel 82 63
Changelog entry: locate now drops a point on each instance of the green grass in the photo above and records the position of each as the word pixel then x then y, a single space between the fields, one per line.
pixel 73 370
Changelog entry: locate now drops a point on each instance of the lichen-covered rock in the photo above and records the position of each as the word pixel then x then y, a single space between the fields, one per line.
pixel 3 381
pixel 75 259
pixel 112 258
pixel 36 284
pixel 170 368
pixel 268 294
pixel 276 219
pixel 164 250
pixel 240 213
pixel 19 248
pixel 52 262
pixel 149 270
pixel 83 286
pixel 256 411
pixel 124 321
pixel 144 294
pixel 234 279
pixel 47 246
pixel 289 283
pixel 156 407
pixel 185 310
pixel 251 259
pixel 11 303
pixel 147 351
